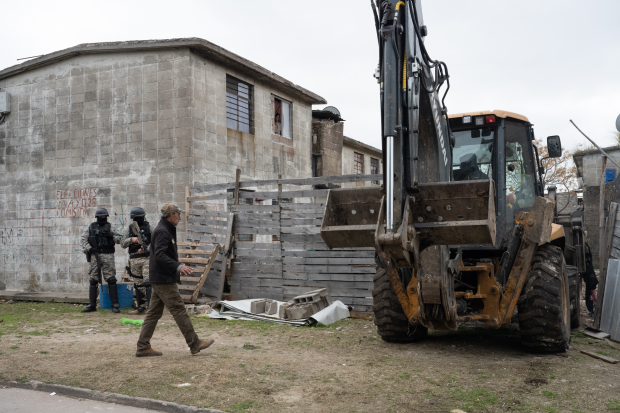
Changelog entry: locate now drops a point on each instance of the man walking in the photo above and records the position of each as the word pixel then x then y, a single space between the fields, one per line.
pixel 98 241
pixel 138 256
pixel 165 274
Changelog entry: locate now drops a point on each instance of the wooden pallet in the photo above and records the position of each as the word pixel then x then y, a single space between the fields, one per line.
pixel 192 256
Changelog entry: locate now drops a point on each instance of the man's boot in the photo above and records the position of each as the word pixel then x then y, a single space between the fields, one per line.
pixel 139 301
pixel 93 292
pixel 116 307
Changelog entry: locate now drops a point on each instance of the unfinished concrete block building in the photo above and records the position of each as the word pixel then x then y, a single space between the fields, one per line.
pixel 125 124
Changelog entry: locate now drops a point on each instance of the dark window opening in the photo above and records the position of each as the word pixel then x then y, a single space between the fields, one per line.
pixel 374 168
pixel 239 105
pixel 282 116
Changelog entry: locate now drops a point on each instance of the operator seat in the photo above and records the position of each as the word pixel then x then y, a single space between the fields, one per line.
pixel 469 169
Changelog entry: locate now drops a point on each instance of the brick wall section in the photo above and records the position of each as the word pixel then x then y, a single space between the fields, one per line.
pixel 327 146
pixel 119 130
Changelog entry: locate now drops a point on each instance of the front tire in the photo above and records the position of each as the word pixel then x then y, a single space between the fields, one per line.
pixel 392 324
pixel 544 304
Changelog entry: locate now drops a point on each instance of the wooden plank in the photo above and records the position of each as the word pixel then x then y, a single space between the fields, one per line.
pixel 194 260
pixel 207 221
pixel 329 269
pixel 208 229
pixel 205 273
pixel 211 238
pixel 302 206
pixel 359 316
pixel 606 359
pixel 194 252
pixel 301 221
pixel 257 260
pixel 610 242
pixel 257 224
pixel 310 193
pixel 258 253
pixel 329 261
pixel 304 246
pixel 302 181
pixel 246 245
pixel 596 334
pixel 254 208
pixel 301 238
pixel 298 214
pixel 329 254
pixel 300 230
pixel 256 231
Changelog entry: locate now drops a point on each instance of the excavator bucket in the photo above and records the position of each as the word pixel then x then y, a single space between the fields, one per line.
pixel 443 213
pixel 351 216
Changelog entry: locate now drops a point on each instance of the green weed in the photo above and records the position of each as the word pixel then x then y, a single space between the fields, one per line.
pixel 405 376
pixel 243 405
pixel 613 404
pixel 549 394
pixel 22 379
pixel 44 352
pixel 477 399
pixel 14 347
pixel 602 353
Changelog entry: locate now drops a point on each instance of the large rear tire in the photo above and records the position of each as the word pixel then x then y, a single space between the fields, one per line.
pixel 390 319
pixel 544 305
pixel 573 292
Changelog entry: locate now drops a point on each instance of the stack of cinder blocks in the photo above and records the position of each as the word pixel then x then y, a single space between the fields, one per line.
pixel 263 306
pixel 304 306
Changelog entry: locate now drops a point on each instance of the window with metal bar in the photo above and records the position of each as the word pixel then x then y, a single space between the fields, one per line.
pixel 374 169
pixel 239 105
pixel 359 162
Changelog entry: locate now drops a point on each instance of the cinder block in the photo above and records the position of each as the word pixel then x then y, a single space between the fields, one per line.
pixel 271 307
pixel 257 307
pixel 203 309
pixel 299 311
pixel 282 310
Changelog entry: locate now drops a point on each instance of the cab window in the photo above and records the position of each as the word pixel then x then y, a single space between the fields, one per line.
pixel 520 174
pixel 472 158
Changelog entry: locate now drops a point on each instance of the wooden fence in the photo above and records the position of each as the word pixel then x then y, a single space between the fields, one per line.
pixel 283 254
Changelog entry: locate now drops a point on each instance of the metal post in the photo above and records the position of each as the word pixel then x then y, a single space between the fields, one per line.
pixel 389 183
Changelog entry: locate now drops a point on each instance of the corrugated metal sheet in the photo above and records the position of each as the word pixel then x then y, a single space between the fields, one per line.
pixel 610 315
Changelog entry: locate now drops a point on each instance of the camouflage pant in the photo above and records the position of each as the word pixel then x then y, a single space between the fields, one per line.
pixel 108 268
pixel 140 267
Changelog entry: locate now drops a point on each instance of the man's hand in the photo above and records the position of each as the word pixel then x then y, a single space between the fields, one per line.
pixel 135 240
pixel 186 270
pixel 140 251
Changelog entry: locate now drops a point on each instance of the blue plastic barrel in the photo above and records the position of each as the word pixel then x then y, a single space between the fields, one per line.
pixel 125 296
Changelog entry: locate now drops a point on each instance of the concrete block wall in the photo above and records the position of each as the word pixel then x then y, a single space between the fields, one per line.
pixel 348 163
pixel 119 130
pixel 328 146
pixel 592 167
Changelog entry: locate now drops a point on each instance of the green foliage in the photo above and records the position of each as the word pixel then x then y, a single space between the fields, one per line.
pixel 602 353
pixel 475 399
pixel 405 376
pixel 14 347
pixel 44 352
pixel 549 394
pixel 22 379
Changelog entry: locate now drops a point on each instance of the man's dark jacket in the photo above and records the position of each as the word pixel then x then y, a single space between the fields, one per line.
pixel 163 258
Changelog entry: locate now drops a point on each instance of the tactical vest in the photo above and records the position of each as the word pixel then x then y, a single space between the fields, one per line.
pixel 104 240
pixel 145 228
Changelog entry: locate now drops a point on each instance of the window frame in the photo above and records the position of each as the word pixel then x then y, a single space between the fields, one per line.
pixel 376 167
pixel 273 116
pixel 355 163
pixel 231 82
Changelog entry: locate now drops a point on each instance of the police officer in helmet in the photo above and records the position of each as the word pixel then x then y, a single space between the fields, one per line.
pixel 98 242
pixel 139 257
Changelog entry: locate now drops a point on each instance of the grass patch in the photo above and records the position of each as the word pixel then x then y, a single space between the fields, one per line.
pixel 129 380
pixel 613 404
pixel 14 347
pixel 246 405
pixel 550 409
pixel 549 394
pixel 44 352
pixel 579 334
pixel 477 399
pixel 602 353
pixel 262 372
pixel 405 376
pixel 22 379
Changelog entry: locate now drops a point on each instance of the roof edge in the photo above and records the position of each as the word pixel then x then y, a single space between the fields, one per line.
pixel 202 46
pixel 354 143
pixel 497 112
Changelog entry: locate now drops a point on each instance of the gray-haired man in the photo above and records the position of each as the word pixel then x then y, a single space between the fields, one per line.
pixel 165 273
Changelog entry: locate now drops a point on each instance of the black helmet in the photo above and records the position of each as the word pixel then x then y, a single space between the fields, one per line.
pixel 136 212
pixel 102 212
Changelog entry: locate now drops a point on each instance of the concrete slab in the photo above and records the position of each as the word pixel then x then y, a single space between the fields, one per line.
pixel 47 297
pixel 22 401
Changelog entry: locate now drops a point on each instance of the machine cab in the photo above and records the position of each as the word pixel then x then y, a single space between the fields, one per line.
pixel 498 145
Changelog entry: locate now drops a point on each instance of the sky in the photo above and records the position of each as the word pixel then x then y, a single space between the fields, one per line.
pixel 549 60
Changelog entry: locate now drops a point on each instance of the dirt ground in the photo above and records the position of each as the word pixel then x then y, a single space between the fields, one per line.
pixel 262 367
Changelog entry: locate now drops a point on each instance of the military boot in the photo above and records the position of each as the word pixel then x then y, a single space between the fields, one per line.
pixel 139 301
pixel 93 290
pixel 112 288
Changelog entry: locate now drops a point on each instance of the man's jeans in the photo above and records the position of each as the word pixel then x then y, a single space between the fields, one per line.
pixel 167 295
